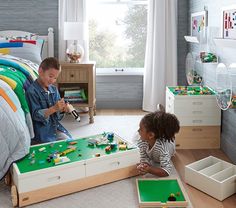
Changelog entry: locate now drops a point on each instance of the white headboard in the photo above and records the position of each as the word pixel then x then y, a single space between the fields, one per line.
pixel 48 46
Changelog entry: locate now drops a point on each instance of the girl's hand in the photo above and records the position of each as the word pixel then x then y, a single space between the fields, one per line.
pixel 143 168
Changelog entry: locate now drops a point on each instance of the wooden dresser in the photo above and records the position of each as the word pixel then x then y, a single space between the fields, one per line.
pixel 77 76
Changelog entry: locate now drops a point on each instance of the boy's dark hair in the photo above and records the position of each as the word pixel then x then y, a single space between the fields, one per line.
pixel 50 63
pixel 163 125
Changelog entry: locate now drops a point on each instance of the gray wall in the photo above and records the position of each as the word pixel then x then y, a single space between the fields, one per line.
pixel 228 135
pixel 119 91
pixel 183 22
pixel 34 16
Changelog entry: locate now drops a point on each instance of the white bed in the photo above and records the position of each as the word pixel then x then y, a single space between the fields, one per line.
pixel 48 46
pixel 15 142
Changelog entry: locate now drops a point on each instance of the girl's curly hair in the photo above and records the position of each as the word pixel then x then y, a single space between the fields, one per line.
pixel 163 125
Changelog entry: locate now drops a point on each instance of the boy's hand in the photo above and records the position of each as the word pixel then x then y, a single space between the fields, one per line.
pixel 60 105
pixel 68 108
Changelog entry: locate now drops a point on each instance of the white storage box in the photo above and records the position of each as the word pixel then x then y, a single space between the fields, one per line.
pixel 213 176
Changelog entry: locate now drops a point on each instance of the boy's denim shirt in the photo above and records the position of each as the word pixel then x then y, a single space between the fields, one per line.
pixel 39 101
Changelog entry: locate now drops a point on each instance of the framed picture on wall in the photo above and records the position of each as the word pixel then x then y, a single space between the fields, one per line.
pixel 229 22
pixel 198 22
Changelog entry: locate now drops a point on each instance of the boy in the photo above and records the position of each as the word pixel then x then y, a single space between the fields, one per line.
pixel 45 104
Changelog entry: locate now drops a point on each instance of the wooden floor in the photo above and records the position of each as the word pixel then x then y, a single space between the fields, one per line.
pixel 182 158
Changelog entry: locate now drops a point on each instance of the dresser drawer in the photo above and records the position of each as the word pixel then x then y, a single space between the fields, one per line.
pixel 199 120
pixel 198 131
pixel 198 137
pixel 48 177
pixel 192 103
pixel 104 164
pixel 198 143
pixel 193 111
pixel 73 76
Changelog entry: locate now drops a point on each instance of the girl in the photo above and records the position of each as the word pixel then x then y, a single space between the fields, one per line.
pixel 157 143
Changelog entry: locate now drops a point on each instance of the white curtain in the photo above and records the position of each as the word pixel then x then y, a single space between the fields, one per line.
pixel 161 52
pixel 71 11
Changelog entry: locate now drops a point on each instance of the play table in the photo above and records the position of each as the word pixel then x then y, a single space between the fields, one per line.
pixel 59 168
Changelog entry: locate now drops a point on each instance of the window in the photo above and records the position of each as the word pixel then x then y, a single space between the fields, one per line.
pixel 117 33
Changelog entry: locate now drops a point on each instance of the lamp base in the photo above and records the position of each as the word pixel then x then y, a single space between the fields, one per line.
pixel 74 58
pixel 75 53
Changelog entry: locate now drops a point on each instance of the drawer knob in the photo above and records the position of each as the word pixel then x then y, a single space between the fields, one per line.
pixel 177 145
pixel 197 112
pixel 71 75
pixel 56 178
pixel 195 129
pixel 197 121
pixel 197 103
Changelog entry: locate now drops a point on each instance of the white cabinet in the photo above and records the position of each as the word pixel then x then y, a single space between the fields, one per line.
pixel 198 115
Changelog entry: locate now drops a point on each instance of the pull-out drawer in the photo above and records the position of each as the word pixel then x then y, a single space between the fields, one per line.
pixel 99 165
pixel 47 177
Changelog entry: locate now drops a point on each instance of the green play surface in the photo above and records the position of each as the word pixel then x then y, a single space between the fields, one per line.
pixel 159 190
pixel 191 90
pixel 37 159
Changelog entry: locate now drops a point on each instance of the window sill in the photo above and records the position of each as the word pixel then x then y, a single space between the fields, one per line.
pixel 119 72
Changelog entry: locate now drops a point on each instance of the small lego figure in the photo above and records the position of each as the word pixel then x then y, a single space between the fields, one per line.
pixel 172 197
pixel 73 112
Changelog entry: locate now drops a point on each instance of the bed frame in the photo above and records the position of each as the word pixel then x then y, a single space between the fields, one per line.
pixel 48 46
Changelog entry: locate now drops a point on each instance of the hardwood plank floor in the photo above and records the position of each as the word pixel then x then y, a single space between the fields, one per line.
pixel 182 158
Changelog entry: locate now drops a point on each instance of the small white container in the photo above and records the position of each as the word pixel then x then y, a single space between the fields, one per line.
pixel 213 176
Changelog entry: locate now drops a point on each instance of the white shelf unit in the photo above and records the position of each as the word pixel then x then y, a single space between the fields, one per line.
pixel 191 39
pixel 213 176
pixel 227 43
pixel 200 120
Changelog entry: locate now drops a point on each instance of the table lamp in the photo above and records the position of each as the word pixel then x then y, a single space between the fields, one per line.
pixel 74 31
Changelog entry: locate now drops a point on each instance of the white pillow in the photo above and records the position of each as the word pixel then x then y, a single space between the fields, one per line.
pixel 23 50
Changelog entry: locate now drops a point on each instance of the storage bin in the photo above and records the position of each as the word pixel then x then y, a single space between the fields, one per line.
pixel 213 176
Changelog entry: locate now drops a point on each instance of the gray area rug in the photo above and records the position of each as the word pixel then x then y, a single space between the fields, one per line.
pixel 120 194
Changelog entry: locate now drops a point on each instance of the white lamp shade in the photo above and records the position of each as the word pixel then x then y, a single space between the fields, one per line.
pixel 73 31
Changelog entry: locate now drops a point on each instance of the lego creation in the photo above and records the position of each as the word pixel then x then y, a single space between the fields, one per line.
pixel 162 192
pixel 58 168
pixel 191 90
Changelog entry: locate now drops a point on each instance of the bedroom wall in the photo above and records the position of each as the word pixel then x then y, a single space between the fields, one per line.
pixel 227 56
pixel 182 50
pixel 37 16
pixel 30 15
